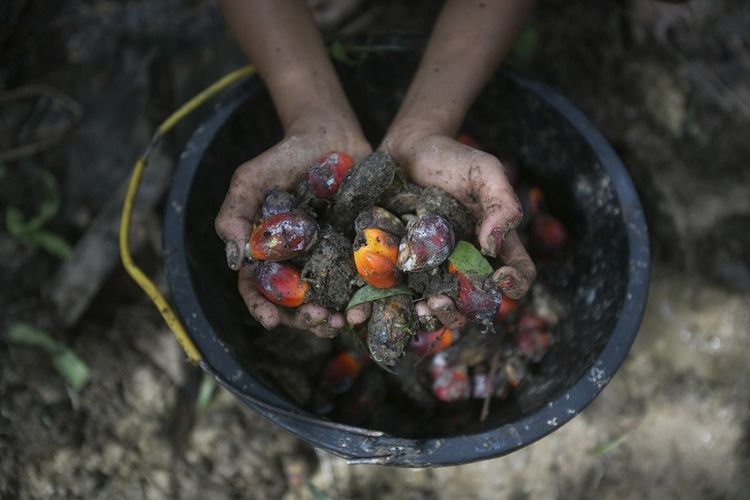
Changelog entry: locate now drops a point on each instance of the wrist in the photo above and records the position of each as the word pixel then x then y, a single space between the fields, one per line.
pixel 404 135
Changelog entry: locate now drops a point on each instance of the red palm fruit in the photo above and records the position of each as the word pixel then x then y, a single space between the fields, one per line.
pixel 375 256
pixel 479 300
pixel 468 140
pixel 507 307
pixel 325 175
pixel 548 233
pixel 530 321
pixel 452 384
pixel 433 342
pixel 282 236
pixel 340 372
pixel 533 344
pixel 282 284
pixel 532 337
pixel 429 240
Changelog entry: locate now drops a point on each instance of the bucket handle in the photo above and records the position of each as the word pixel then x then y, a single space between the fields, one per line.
pixel 135 272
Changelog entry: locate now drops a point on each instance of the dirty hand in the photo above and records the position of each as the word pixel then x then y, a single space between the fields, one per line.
pixel 281 166
pixel 478 180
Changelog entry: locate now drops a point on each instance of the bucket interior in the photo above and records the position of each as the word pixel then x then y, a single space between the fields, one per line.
pixel 550 153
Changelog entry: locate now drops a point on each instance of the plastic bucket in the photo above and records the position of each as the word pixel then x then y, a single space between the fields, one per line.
pixel 555 143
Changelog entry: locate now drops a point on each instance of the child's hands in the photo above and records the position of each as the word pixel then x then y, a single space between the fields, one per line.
pixel 282 165
pixel 477 180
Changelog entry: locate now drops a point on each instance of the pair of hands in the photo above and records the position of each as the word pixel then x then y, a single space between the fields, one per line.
pixel 428 158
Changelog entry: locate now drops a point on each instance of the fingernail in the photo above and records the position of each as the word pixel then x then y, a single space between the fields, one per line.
pixel 507 283
pixel 233 255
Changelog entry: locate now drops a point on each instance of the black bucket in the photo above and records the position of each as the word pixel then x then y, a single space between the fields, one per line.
pixel 555 144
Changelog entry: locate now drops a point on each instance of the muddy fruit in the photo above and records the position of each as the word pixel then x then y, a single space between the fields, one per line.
pixel 278 202
pixel 390 329
pixel 479 300
pixel 438 340
pixel 379 218
pixel 548 233
pixel 325 175
pixel 330 270
pixel 282 237
pixel 361 188
pixel 435 201
pixel 375 256
pixel 428 242
pixel 281 284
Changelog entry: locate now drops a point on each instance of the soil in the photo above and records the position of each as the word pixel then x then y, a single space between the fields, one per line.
pixel 675 421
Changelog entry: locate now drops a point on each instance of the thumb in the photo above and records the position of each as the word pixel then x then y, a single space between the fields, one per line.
pixel 234 223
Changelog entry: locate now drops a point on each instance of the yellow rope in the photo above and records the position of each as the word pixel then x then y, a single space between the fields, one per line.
pixel 148 286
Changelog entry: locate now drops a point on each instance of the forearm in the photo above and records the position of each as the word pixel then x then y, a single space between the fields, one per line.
pixel 468 42
pixel 281 39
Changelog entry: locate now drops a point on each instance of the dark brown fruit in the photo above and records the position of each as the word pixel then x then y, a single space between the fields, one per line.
pixel 330 270
pixel 278 202
pixel 390 330
pixel 361 188
pixel 437 202
pixel 379 218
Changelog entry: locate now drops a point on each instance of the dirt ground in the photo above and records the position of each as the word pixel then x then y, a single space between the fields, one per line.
pixel 668 86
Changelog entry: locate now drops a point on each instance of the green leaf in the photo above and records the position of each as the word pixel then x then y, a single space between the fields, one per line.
pixel 51 243
pixel 15 223
pixel 205 392
pixel 610 445
pixel 50 203
pixel 3 170
pixel 23 334
pixel 526 45
pixel 73 369
pixel 368 293
pixel 469 261
pixel 339 53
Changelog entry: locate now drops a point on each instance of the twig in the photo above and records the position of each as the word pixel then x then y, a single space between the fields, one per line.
pixel 490 386
pixel 56 134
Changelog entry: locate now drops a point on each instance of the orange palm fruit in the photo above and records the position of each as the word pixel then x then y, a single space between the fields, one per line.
pixel 375 256
pixel 282 284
